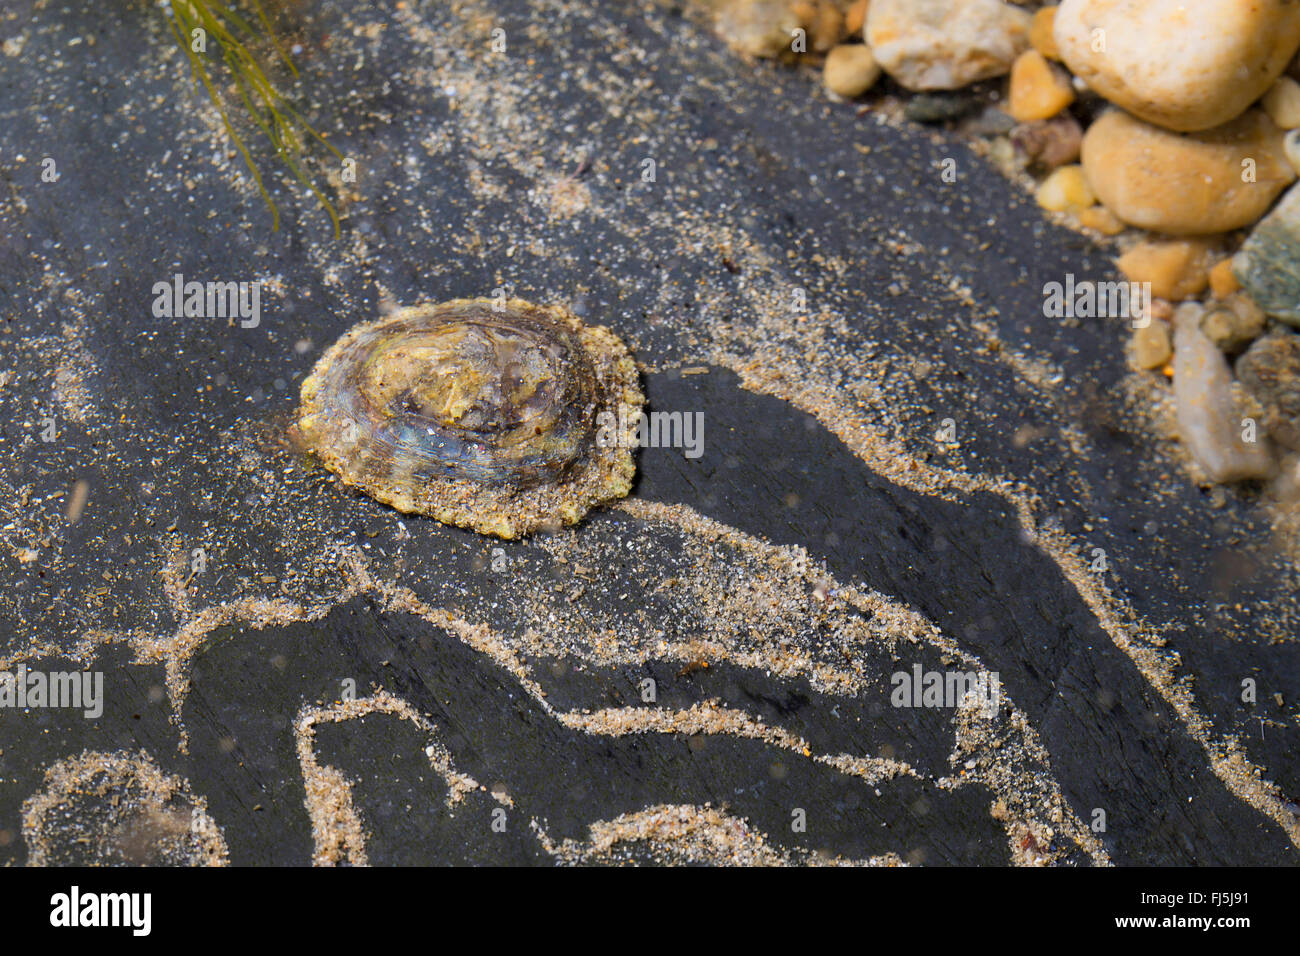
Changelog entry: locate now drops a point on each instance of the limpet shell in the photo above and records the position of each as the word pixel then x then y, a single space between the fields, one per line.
pixel 480 413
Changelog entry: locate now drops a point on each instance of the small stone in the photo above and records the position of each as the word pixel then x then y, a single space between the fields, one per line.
pixel 1152 346
pixel 823 21
pixel 1065 190
pixel 1222 281
pixel 1176 268
pixel 1233 324
pixel 759 28
pixel 945 44
pixel 1186 184
pixel 1041 37
pixel 991 122
pixel 1282 103
pixel 1292 147
pixel 850 70
pixel 1039 90
pixel 1182 64
pixel 1209 420
pixel 1101 219
pixel 1047 144
pixel 1266 262
pixel 855 18
pixel 938 107
pixel 1270 371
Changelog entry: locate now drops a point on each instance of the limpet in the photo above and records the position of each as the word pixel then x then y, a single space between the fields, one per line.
pixel 481 413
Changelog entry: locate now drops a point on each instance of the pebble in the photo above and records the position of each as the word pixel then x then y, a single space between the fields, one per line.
pixel 1065 190
pixel 760 28
pixel 945 44
pixel 1270 371
pixel 1039 90
pixel 1222 281
pixel 855 18
pixel 1152 346
pixel 1209 420
pixel 823 21
pixel 938 107
pixel 1233 323
pixel 1182 64
pixel 1266 263
pixel 850 70
pixel 1101 219
pixel 1292 147
pixel 991 122
pixel 1176 268
pixel 1186 184
pixel 1047 144
pixel 1041 36
pixel 1282 103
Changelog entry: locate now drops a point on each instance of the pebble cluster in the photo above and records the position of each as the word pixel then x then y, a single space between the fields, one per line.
pixel 1170 126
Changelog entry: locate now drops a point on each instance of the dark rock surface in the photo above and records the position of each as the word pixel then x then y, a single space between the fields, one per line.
pixel 469 165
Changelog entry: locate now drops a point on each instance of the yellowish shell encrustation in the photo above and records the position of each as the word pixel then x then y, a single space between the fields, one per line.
pixel 481 413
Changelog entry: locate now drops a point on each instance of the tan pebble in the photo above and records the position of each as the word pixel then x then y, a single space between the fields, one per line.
pixel 759 28
pixel 823 21
pixel 855 17
pixel 945 44
pixel 1222 281
pixel 1065 190
pixel 1040 33
pixel 1183 64
pixel 1186 184
pixel 1153 346
pixel 1282 103
pixel 1101 219
pixel 850 70
pixel 1176 269
pixel 1233 323
pixel 1038 90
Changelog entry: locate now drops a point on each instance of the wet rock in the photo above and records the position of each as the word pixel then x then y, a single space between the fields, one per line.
pixel 1209 420
pixel 1270 371
pixel 1045 145
pixel 1268 264
pixel 1186 184
pixel 945 44
pixel 1182 64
